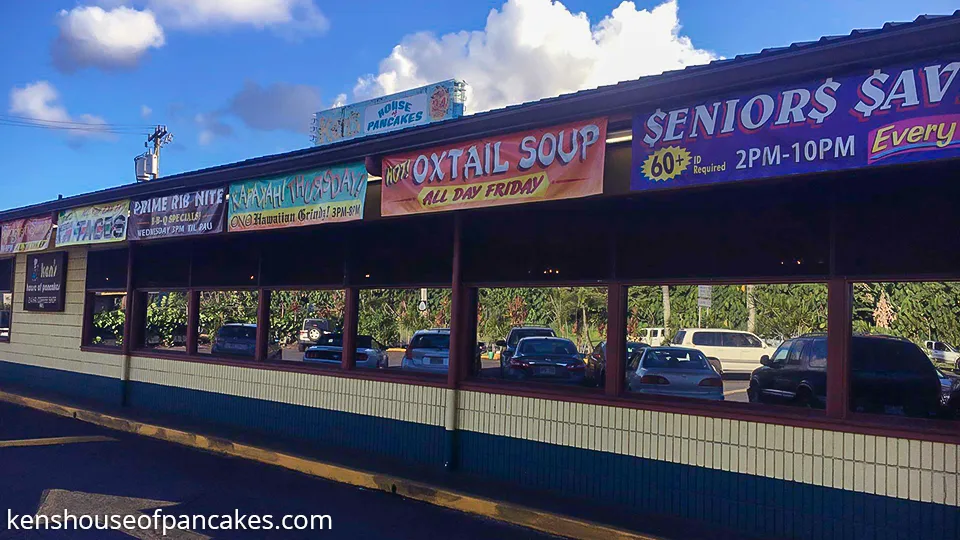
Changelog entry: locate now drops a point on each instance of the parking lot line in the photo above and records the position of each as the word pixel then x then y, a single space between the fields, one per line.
pixel 732 392
pixel 54 440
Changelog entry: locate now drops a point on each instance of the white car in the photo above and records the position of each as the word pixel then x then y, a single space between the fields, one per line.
pixel 652 336
pixel 942 352
pixel 737 351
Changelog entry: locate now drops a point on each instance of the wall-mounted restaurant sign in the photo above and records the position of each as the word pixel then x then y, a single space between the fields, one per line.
pixel 882 116
pixel 97 224
pixel 325 195
pixel 45 285
pixel 559 162
pixel 24 235
pixel 182 214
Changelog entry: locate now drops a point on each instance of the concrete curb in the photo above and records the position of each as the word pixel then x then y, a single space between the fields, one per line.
pixel 522 516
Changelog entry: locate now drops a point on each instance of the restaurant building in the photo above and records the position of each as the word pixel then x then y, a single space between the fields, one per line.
pixel 822 165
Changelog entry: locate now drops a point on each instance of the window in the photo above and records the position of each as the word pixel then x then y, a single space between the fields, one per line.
pixel 109 315
pixel 6 297
pixel 552 335
pixel 747 334
pixel 166 321
pixel 106 299
pixel 228 325
pixel 902 363
pixel 815 355
pixel 407 329
pixel 302 321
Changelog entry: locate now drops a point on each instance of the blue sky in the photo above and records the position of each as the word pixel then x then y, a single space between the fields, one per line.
pixel 235 80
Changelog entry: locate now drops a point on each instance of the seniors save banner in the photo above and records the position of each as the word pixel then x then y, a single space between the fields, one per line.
pixel 313 197
pixel 23 235
pixel 560 162
pixel 880 116
pixel 97 224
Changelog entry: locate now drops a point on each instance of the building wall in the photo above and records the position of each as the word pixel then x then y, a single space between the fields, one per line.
pixel 762 478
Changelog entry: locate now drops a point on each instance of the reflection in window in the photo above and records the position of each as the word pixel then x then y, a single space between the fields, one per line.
pixel 407 329
pixel 544 334
pixel 166 327
pixel 903 357
pixel 228 324
pixel 108 318
pixel 299 320
pixel 6 312
pixel 751 338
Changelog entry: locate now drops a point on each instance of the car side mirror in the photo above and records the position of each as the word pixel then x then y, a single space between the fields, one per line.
pixel 765 360
pixel 501 343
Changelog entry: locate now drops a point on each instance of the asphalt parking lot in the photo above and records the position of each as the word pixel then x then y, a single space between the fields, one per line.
pixel 49 464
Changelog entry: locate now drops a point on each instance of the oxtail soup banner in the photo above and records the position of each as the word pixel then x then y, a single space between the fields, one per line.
pixel 97 224
pixel 313 197
pixel 24 235
pixel 882 116
pixel 183 214
pixel 560 162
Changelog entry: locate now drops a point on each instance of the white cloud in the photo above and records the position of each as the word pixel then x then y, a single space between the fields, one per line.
pixel 277 106
pixel 40 102
pixel 211 126
pixel 301 15
pixel 110 39
pixel 145 111
pixel 530 49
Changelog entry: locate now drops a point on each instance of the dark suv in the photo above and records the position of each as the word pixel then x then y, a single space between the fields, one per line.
pixel 886 372
pixel 513 338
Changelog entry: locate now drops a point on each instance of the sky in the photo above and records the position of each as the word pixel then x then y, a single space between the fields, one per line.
pixel 237 79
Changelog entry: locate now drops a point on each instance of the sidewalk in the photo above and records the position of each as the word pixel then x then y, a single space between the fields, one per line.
pixel 541 511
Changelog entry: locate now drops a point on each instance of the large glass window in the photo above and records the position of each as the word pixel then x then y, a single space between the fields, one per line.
pixel 228 325
pixel 405 329
pixel 109 315
pixel 105 312
pixel 764 344
pixel 904 356
pixel 301 322
pixel 166 321
pixel 542 334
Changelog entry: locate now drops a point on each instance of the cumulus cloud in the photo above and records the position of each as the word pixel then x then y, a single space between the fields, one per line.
pixel 211 126
pixel 530 49
pixel 90 36
pixel 301 15
pixel 40 102
pixel 145 111
pixel 277 106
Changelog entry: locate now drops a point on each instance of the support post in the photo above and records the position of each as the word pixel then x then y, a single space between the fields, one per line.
pixel 459 328
pixel 839 337
pixel 615 352
pixel 193 321
pixel 351 323
pixel 128 334
pixel 263 325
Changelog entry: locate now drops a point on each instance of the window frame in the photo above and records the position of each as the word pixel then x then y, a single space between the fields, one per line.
pixel 89 295
pixel 11 291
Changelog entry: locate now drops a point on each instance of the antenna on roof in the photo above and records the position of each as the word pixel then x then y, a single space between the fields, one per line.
pixel 147 165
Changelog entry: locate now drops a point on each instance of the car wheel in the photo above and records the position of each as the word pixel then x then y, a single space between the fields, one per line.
pixel 804 398
pixel 602 379
pixel 753 393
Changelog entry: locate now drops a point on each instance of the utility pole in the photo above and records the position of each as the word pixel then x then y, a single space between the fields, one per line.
pixel 148 163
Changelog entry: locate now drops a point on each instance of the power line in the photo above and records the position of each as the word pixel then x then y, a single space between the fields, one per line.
pixel 91 128
pixel 15 118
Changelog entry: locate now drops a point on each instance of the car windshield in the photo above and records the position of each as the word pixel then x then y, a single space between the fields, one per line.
pixel 517 335
pixel 336 340
pixel 238 332
pixel 633 347
pixel 431 341
pixel 547 346
pixel 675 359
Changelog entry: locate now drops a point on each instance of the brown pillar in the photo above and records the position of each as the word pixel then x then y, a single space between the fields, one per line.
pixel 616 338
pixel 839 336
pixel 128 316
pixel 459 328
pixel 351 323
pixel 263 325
pixel 193 321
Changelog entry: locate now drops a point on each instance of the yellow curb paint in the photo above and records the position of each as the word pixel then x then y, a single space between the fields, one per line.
pixel 510 513
pixel 49 441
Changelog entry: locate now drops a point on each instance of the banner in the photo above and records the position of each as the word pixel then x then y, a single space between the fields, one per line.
pixel 882 116
pixel 183 214
pixel 97 224
pixel 560 162
pixel 416 107
pixel 45 286
pixel 324 195
pixel 24 235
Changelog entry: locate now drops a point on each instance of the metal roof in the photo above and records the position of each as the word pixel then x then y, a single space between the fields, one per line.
pixel 924 36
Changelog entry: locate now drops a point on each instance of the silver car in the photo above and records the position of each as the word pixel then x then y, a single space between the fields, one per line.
pixel 240 339
pixel 674 371
pixel 329 350
pixel 428 352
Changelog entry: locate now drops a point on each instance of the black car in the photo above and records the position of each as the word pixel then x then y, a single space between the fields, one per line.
pixel 513 338
pixel 886 372
pixel 597 360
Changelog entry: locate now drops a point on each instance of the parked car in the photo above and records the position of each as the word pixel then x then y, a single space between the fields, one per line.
pixel 949 394
pixel 597 360
pixel 736 351
pixel 428 351
pixel 311 332
pixel 513 338
pixel 653 336
pixel 674 371
pixel 329 350
pixel 886 373
pixel 550 359
pixel 240 339
pixel 943 352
